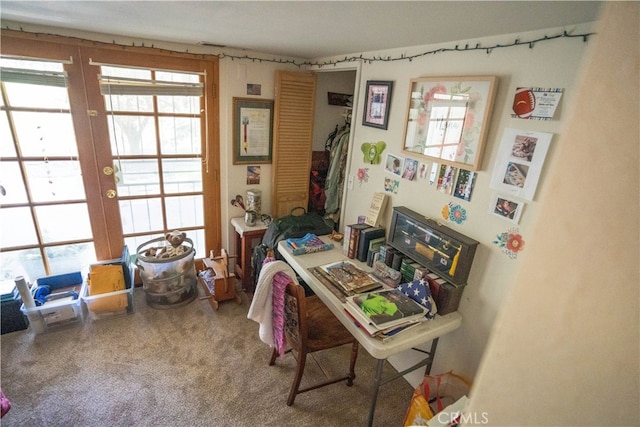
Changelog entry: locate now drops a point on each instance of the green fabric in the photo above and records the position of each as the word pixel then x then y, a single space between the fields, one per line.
pixel 376 304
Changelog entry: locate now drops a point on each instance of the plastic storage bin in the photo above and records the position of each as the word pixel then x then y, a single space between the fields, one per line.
pixel 168 282
pixel 60 312
pixel 108 305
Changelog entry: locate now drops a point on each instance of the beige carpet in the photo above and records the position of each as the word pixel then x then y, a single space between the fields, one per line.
pixel 184 366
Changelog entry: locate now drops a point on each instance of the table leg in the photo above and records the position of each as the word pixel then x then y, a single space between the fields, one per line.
pixel 376 386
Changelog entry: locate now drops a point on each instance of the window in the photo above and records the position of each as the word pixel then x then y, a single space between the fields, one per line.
pixel 102 147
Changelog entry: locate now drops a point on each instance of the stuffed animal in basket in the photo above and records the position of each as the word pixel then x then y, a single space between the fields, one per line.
pixel 176 248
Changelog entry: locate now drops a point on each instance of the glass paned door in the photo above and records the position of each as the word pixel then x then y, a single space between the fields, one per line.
pixel 44 216
pixel 156 144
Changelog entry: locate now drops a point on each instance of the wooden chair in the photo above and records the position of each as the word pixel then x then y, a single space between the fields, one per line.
pixel 310 326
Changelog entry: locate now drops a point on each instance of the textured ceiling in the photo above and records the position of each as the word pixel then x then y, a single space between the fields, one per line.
pixel 301 29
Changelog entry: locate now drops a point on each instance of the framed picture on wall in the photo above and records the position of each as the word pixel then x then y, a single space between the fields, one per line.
pixel 506 207
pixel 377 103
pixel 448 119
pixel 252 130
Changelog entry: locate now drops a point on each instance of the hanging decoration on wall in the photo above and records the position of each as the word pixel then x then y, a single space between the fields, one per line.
pixel 394 164
pixel 410 169
pixel 464 184
pixel 373 151
pixel 519 163
pixel 402 57
pixel 506 208
pixel 454 212
pixel 536 103
pixel 363 175
pixel 511 242
pixel 391 185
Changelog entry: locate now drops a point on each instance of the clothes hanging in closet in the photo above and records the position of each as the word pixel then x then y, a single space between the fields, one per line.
pixel 338 148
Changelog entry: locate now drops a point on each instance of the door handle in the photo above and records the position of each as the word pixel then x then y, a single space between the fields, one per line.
pixel 111 193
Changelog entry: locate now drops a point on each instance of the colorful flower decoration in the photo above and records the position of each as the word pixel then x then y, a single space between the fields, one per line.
pixel 363 175
pixel 455 213
pixel 445 212
pixel 511 242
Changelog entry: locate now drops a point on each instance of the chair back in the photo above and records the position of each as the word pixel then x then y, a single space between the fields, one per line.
pixel 295 316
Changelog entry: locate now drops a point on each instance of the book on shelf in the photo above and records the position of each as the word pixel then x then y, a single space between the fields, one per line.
pixel 384 310
pixel 354 239
pixel 365 238
pixel 346 238
pixel 349 277
pixel 309 243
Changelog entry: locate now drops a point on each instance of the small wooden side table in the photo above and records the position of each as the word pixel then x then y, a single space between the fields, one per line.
pixel 247 238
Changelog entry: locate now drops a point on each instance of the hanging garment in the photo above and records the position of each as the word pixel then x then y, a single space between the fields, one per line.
pixel 335 176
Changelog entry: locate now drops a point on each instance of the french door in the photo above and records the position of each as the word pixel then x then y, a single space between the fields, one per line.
pixel 103 147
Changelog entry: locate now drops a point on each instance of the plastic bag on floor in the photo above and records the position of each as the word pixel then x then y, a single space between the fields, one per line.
pixel 434 394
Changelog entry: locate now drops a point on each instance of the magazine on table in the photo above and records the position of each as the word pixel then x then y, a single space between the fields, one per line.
pixel 350 277
pixel 384 310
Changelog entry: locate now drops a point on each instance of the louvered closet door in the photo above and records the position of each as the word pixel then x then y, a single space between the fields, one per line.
pixel 292 140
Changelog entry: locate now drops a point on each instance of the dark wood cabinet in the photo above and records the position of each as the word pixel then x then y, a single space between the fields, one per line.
pixel 446 252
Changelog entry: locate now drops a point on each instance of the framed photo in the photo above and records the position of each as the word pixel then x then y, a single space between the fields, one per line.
pixel 252 130
pixel 377 104
pixel 394 164
pixel 519 163
pixel 507 208
pixel 448 119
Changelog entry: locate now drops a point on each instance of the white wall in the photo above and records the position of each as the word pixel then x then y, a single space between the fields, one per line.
pixel 565 347
pixel 549 64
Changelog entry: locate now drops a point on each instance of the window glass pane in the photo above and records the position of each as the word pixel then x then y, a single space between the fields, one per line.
pixel 182 175
pixel 11 181
pixel 141 215
pixel 17 228
pixel 179 104
pixel 45 134
pixel 133 135
pixel 197 236
pixel 138 177
pixel 37 96
pixel 64 222
pixel 169 76
pixel 28 64
pixel 7 148
pixel 134 242
pixel 132 73
pixel 26 263
pixel 179 135
pixel 184 211
pixel 70 258
pixel 139 103
pixel 55 180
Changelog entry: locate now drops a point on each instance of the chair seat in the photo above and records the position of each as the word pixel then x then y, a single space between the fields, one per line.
pixel 324 328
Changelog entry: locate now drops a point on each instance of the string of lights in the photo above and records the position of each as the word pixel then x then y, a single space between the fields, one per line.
pixel 403 57
pixel 370 59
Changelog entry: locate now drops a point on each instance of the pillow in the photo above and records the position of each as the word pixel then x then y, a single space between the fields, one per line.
pixel 418 290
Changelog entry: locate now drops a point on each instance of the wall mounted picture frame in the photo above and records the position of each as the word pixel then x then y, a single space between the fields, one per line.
pixel 448 119
pixel 519 162
pixel 252 130
pixel 506 208
pixel 394 164
pixel 377 104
